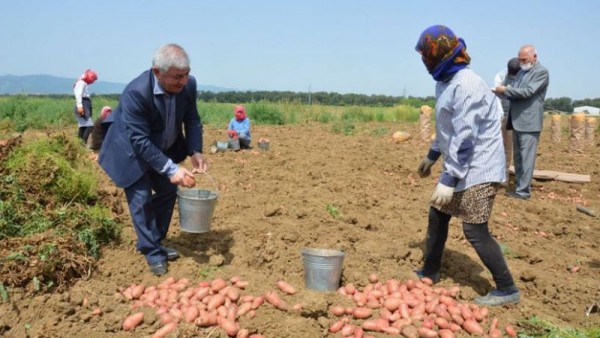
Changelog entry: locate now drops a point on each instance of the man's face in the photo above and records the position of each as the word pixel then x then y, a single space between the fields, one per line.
pixel 172 80
pixel 526 56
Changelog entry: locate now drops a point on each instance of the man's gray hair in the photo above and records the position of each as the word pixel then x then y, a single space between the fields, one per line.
pixel 170 55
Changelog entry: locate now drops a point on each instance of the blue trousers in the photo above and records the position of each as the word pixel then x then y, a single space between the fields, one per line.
pixel 151 213
pixel 525 152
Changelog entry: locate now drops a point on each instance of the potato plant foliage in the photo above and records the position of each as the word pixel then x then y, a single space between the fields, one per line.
pixel 52 218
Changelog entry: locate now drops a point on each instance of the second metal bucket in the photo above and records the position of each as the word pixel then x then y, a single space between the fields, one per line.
pixel 322 268
pixel 196 208
pixel 234 143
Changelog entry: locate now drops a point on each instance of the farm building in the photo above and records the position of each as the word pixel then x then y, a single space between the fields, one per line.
pixel 588 110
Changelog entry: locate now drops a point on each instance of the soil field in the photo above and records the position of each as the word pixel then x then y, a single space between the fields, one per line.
pixel 357 193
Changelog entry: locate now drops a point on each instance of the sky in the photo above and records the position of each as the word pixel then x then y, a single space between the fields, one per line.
pixel 343 46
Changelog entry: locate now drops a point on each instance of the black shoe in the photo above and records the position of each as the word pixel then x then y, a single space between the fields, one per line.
pixel 172 254
pixel 512 194
pixel 158 268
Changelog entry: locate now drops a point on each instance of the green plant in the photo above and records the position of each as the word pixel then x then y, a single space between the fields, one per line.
pixel 379 131
pixel 3 293
pixel 207 271
pixel 332 210
pixel 536 327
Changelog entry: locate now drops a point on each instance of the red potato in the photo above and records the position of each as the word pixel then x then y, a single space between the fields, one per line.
pixel 336 327
pixel 362 313
pixel 472 327
pixel 257 302
pixel 286 287
pixel 274 299
pixel 445 333
pixel 190 314
pixel 373 278
pixel 337 310
pixel 165 330
pixel 230 327
pixel 133 320
pixel 215 301
pixel 233 293
pixel 167 317
pixel 347 330
pixel 137 291
pixel 218 284
pixel 235 279
pixel 97 312
pixel 358 332
pixel 495 333
pixel 350 289
pixel 244 308
pixel 455 327
pixel 371 325
pixel 297 307
pixel 442 323
pixel 510 331
pixel 392 303
pixel 243 333
pixel 242 284
pixel 426 332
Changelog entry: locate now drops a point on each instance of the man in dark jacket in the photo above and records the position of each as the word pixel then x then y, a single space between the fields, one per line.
pixel 146 141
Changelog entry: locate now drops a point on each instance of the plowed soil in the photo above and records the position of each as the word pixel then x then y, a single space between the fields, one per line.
pixel 358 193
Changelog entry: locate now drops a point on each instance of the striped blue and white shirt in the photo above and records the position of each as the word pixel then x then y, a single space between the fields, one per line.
pixel 467 125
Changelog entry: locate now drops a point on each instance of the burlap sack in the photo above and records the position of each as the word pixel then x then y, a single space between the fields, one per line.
pixel 591 125
pixel 425 122
pixel 577 133
pixel 555 132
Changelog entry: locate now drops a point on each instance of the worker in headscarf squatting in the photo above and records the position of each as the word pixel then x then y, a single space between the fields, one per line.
pixel 468 137
pixel 83 104
pixel 99 131
pixel 239 127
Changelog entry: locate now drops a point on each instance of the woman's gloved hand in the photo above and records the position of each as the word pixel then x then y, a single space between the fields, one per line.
pixel 232 134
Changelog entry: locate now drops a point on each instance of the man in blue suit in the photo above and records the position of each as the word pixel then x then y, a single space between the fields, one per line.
pixel 526 117
pixel 145 143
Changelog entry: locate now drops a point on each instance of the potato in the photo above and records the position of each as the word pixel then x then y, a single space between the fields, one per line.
pixel 472 327
pixel 336 327
pixel 133 320
pixel 426 332
pixel 410 331
pixel 230 327
pixel 347 330
pixel 373 278
pixel 243 333
pixel 362 313
pixel 337 310
pixel 274 299
pixel 165 330
pixel 446 333
pixel 510 331
pixel 286 287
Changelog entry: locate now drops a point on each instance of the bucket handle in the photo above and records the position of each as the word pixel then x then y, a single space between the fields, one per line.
pixel 211 179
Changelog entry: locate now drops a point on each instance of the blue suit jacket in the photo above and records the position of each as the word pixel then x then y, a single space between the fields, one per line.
pixel 132 144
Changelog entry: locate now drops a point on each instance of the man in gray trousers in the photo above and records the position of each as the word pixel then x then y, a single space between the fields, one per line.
pixel 526 117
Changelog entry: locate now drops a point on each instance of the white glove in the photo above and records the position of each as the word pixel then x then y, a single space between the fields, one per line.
pixel 424 168
pixel 442 195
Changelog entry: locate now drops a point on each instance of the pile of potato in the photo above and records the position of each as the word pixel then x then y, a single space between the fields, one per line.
pixel 208 303
pixel 412 308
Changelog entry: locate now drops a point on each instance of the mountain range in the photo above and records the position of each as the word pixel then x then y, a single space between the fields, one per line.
pixel 48 84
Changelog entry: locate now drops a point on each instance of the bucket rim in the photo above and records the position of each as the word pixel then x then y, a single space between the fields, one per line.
pixel 323 252
pixel 182 192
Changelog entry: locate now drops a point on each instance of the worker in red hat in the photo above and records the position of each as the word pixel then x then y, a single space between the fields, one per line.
pixel 83 104
pixel 239 127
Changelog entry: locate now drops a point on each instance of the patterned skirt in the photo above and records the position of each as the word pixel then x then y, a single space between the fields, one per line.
pixel 472 205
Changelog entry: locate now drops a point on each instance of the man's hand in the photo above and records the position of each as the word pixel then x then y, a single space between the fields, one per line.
pixel 232 133
pixel 442 195
pixel 424 168
pixel 184 178
pixel 80 111
pixel 200 165
pixel 499 89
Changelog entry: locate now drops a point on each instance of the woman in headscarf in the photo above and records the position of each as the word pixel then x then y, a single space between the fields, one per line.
pixel 468 137
pixel 83 104
pixel 239 127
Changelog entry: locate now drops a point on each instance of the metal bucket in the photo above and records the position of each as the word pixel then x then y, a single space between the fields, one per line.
pixel 264 145
pixel 196 208
pixel 234 143
pixel 218 147
pixel 322 268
